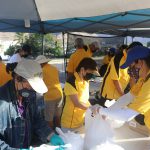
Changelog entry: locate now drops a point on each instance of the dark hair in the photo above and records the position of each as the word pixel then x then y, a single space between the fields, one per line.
pixel 134 44
pixel 122 47
pixel 26 48
pixel 10 68
pixel 85 47
pixel 79 43
pixel 0 58
pixel 111 52
pixel 87 63
pixel 18 50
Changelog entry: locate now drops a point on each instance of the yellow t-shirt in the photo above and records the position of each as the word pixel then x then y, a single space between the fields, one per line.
pixel 141 102
pixel 106 59
pixel 72 116
pixel 137 87
pixel 51 79
pixel 4 76
pixel 114 72
pixel 75 59
pixel 147 119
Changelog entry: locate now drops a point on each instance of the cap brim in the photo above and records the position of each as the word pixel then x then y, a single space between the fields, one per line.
pixel 38 85
pixel 127 64
pixel 43 61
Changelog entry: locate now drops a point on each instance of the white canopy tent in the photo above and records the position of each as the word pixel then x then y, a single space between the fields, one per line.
pixel 45 16
pixel 53 9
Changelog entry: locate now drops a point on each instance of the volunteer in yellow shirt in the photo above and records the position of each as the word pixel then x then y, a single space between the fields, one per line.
pixel 106 60
pixel 53 97
pixel 137 102
pixel 111 53
pixel 79 54
pixel 4 76
pixel 115 80
pixel 77 95
pixel 139 57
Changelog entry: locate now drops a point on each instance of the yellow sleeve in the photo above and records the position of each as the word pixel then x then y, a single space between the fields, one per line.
pixel 137 87
pixel 69 89
pixel 106 59
pixel 113 73
pixel 89 53
pixel 147 119
pixel 4 76
pixel 141 102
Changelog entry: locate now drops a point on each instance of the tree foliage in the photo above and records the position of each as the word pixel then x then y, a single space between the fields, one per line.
pixel 11 50
pixel 52 45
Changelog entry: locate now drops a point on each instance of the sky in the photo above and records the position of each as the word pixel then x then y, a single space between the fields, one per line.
pixel 142 40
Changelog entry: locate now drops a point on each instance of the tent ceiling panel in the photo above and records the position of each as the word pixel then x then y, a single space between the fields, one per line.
pixel 46 16
pixel 18 9
pixel 52 9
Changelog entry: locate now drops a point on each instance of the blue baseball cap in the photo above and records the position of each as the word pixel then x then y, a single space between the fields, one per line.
pixel 135 53
pixel 112 50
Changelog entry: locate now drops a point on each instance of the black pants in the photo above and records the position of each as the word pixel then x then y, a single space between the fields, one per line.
pixel 140 119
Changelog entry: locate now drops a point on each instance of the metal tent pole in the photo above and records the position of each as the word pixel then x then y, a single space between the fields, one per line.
pixel 64 53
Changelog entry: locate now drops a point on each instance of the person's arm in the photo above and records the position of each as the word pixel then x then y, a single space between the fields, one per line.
pixel 118 87
pixel 122 102
pixel 77 103
pixel 41 127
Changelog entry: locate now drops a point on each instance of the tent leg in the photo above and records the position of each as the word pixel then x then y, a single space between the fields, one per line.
pixel 132 38
pixel 126 40
pixel 63 36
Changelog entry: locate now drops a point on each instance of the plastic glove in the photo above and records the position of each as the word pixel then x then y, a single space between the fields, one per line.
pixel 56 140
pixel 94 109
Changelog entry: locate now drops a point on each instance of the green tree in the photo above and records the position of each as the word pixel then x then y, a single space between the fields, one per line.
pixel 20 38
pixel 11 50
pixel 52 46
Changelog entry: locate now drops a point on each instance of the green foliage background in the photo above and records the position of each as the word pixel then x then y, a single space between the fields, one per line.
pixel 52 45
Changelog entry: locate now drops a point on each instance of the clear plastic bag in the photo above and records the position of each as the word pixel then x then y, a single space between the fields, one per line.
pixel 107 146
pixel 115 123
pixel 97 131
pixel 74 139
pixel 51 147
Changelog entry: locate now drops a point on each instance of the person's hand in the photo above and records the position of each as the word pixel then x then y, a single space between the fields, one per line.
pixel 56 140
pixel 94 109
